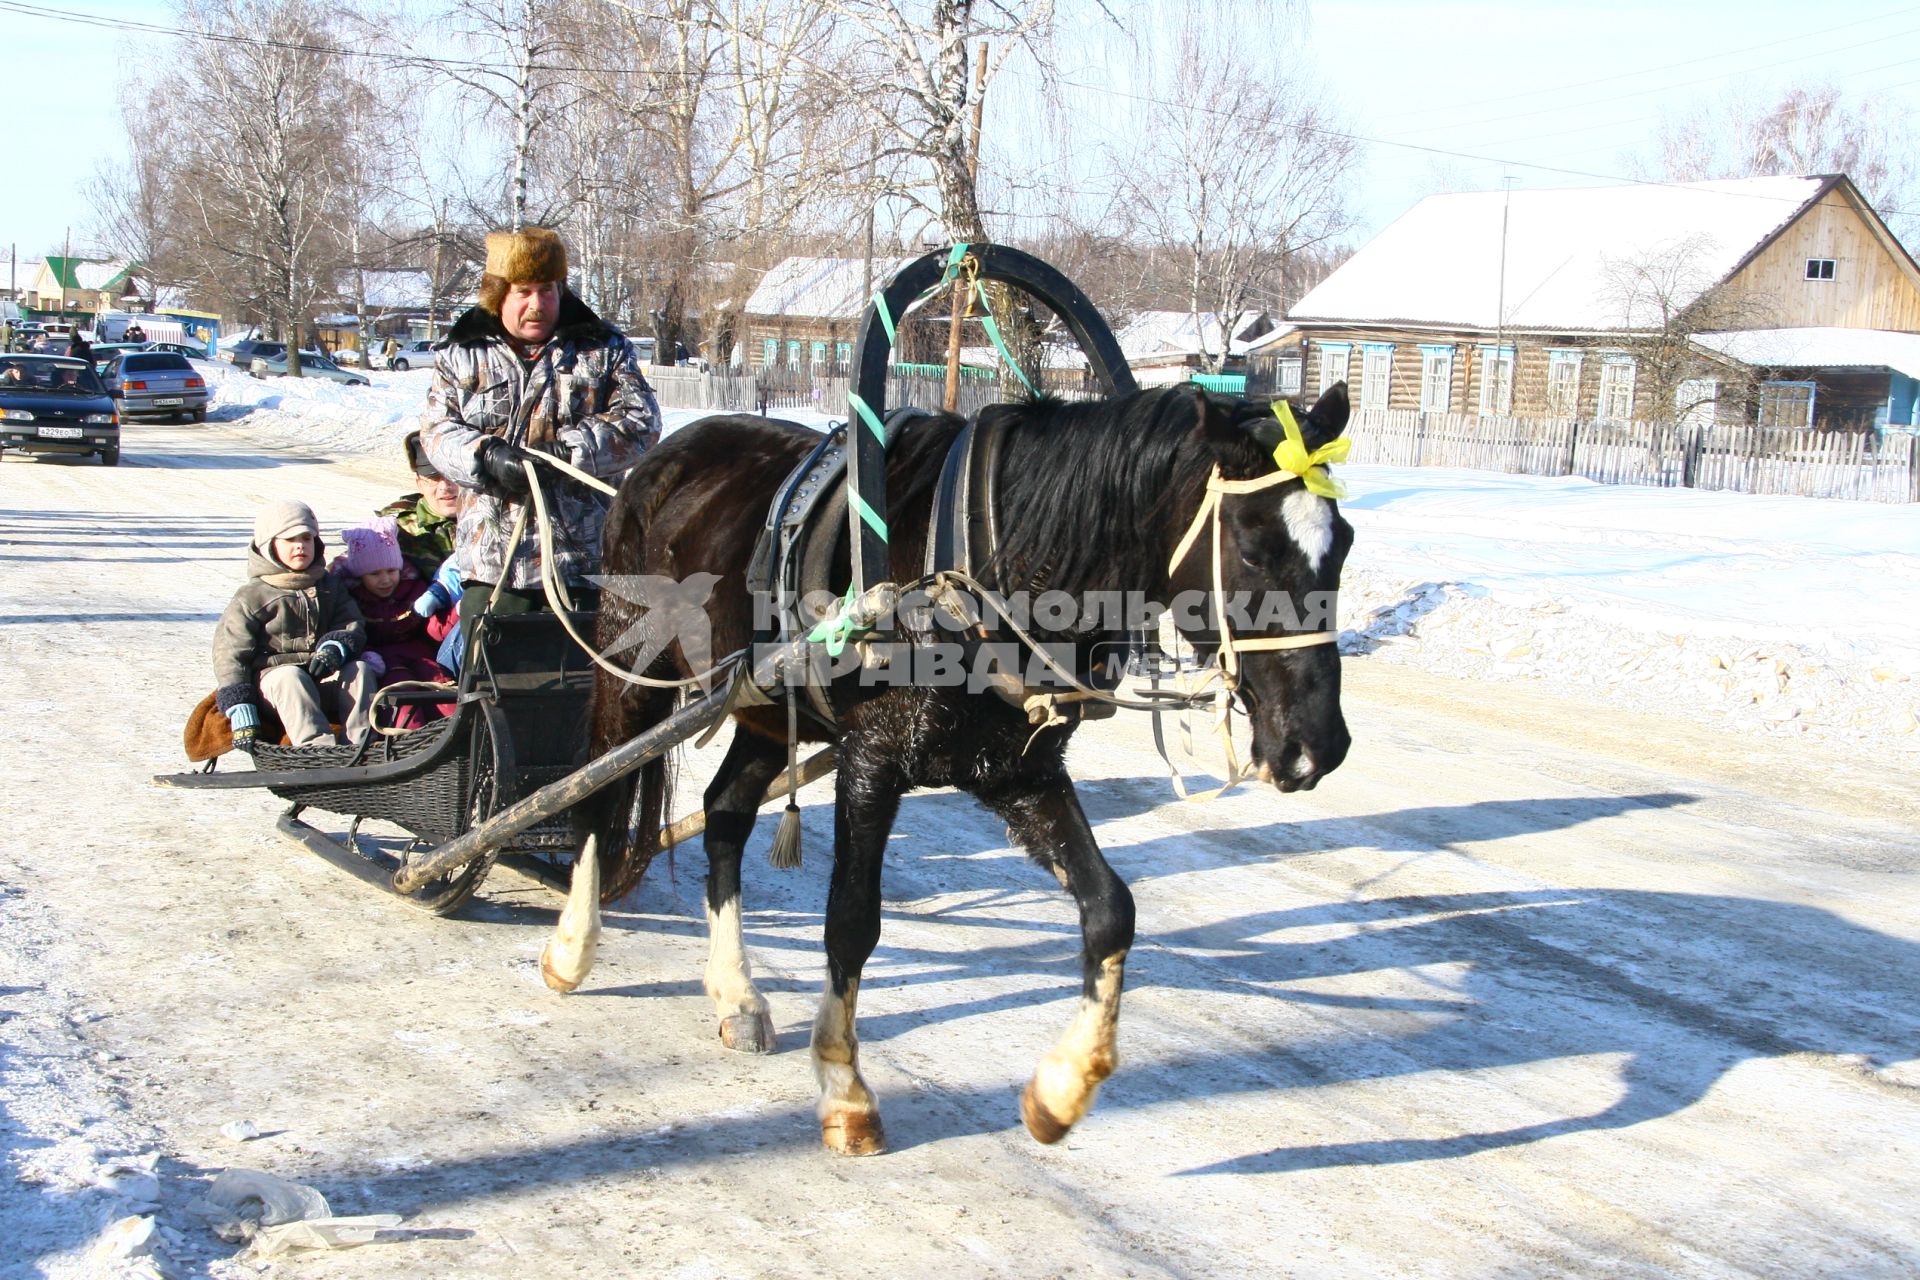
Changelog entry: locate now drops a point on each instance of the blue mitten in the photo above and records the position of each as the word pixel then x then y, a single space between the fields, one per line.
pixel 245 719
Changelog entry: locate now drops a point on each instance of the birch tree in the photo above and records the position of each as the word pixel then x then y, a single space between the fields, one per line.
pixel 1238 171
pixel 261 168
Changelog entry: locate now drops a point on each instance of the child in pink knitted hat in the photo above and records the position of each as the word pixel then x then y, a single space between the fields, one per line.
pixel 385 586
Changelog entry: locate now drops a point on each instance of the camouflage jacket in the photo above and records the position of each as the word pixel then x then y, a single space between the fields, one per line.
pixel 582 398
pixel 426 538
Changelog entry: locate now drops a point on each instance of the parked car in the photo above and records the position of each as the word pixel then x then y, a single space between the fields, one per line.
pixel 55 404
pixel 156 383
pixel 415 353
pixel 312 365
pixel 241 353
pixel 346 355
pixel 192 350
pixel 102 352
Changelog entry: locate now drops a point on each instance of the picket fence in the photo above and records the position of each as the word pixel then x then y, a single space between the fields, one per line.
pixel 1873 466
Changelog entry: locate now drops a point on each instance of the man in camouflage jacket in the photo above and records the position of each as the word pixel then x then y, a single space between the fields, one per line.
pixel 532 368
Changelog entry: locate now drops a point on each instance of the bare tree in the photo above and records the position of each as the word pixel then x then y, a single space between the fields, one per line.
pixel 1238 171
pixel 1804 129
pixel 133 206
pixel 1661 298
pixel 261 169
pixel 520 80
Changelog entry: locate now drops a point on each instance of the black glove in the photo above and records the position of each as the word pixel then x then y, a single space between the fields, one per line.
pixel 326 660
pixel 501 463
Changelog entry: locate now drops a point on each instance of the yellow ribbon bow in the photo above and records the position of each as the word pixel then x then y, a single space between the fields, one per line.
pixel 1291 455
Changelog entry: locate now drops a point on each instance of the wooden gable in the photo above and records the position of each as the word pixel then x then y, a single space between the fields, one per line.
pixel 1875 284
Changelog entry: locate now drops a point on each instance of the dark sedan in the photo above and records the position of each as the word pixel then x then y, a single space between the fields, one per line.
pixel 155 383
pixel 55 404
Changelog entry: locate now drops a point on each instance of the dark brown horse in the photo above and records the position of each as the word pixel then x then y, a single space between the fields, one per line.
pixel 1093 499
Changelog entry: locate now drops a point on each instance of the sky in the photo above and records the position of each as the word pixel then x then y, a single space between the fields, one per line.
pixel 1448 95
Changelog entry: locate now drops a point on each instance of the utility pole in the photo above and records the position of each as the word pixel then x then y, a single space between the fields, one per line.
pixel 960 294
pixel 1500 303
pixel 66 266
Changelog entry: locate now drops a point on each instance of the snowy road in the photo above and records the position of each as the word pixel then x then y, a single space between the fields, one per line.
pixel 1527 988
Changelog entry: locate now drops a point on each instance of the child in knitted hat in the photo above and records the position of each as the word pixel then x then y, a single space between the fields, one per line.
pixel 400 642
pixel 291 637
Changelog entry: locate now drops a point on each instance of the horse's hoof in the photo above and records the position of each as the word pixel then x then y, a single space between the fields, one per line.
pixel 1041 1123
pixel 747 1032
pixel 853 1133
pixel 553 977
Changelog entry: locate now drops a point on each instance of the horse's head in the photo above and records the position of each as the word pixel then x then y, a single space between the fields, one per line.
pixel 1281 549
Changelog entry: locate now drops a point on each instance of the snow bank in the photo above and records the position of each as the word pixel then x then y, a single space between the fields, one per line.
pixel 1774 614
pixel 1770 614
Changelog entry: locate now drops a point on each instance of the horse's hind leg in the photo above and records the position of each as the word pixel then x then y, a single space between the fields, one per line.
pixel 1045 818
pixel 863 816
pixel 732 801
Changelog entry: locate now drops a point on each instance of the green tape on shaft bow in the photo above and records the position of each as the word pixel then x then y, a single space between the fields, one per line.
pixel 834 632
pixel 873 519
pixel 868 416
pixel 953 262
pixel 886 316
pixel 993 331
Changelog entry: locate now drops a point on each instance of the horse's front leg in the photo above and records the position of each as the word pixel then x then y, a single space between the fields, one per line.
pixel 866 801
pixel 1044 816
pixel 733 801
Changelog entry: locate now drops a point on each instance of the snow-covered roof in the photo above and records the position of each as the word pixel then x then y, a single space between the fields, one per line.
pixel 99 275
pixel 824 287
pixel 1819 348
pixel 396 290
pixel 1174 333
pixel 170 298
pixel 1440 263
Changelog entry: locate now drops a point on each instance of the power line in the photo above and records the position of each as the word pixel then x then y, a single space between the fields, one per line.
pixel 336 51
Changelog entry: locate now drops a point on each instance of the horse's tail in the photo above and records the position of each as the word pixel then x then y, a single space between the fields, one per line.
pixel 629 832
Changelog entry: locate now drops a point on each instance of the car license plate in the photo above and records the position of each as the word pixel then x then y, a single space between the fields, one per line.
pixel 60 433
pixel 168 400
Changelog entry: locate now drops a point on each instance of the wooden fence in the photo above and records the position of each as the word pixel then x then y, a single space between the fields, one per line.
pixel 1874 466
pixel 683 388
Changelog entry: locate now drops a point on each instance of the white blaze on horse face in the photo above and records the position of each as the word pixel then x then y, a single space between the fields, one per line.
pixel 1309 519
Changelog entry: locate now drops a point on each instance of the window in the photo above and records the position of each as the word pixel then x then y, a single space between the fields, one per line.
pixel 1436 379
pixel 1616 388
pixel 1563 384
pixel 1819 268
pixel 1786 404
pixel 819 354
pixel 793 353
pixel 1496 381
pixel 1376 374
pixel 1287 377
pixel 154 363
pixel 843 354
pixel 770 353
pixel 1694 402
pixel 1333 363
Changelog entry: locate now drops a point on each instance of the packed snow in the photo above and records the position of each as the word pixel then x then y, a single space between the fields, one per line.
pixel 1772 615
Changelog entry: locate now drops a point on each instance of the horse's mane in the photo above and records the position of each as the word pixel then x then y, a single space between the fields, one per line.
pixel 1088 493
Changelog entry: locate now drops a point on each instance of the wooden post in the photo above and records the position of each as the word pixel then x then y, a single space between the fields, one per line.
pixel 951 402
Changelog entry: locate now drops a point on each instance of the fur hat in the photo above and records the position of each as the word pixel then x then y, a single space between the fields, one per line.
pixel 279 519
pixel 417 457
pixel 373 546
pixel 531 255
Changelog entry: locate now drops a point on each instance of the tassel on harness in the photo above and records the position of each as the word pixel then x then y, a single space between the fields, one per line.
pixel 784 854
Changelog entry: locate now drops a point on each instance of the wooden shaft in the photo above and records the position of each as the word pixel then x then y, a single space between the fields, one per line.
pixel 557 797
pixel 812 769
